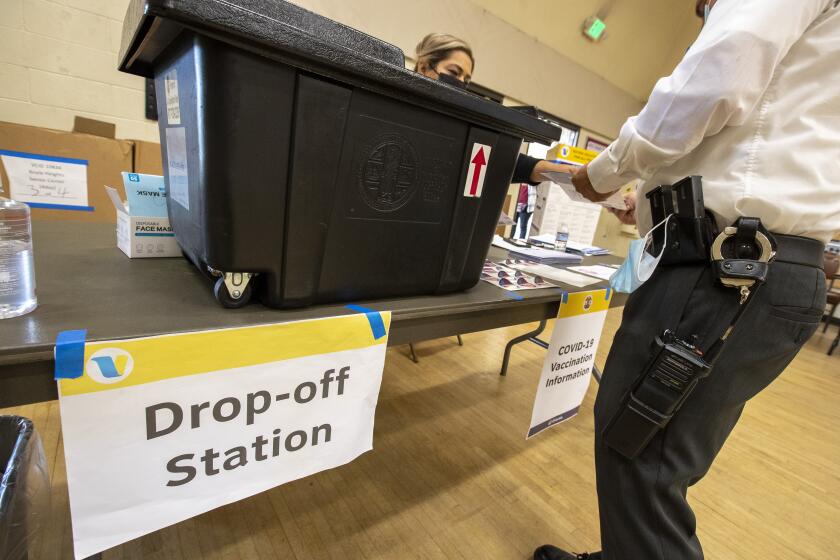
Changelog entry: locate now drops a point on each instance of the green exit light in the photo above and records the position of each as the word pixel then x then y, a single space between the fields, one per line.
pixel 596 29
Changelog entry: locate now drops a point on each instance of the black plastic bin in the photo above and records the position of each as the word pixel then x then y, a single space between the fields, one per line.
pixel 303 160
pixel 24 486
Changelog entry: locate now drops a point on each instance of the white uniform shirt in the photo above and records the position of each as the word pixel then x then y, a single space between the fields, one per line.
pixel 754 107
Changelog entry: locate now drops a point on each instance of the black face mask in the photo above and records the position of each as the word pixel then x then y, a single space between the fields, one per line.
pixel 451 80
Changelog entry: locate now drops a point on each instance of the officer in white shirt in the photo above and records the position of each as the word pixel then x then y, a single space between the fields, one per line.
pixel 754 107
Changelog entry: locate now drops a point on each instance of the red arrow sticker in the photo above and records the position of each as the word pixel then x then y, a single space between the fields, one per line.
pixel 478 162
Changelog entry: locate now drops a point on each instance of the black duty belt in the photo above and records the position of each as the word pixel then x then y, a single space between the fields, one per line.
pixel 799 250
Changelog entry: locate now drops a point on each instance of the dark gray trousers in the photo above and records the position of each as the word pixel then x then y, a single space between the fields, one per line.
pixel 643 508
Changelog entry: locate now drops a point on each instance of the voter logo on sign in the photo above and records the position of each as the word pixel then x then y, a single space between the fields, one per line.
pixel 587 303
pixel 564 151
pixel 109 365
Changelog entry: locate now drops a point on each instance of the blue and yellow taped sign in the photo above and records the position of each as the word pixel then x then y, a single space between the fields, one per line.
pixel 169 427
pixel 101 366
pixel 580 303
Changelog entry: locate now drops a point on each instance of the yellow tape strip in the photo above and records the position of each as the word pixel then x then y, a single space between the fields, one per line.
pixel 168 357
pixel 580 303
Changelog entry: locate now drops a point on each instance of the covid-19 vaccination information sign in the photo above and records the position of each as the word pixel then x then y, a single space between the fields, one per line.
pixel 571 356
pixel 158 430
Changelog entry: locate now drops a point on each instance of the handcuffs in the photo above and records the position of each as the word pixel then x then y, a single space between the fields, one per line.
pixel 743 272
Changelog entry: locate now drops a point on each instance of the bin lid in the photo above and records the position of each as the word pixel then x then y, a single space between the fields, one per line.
pixel 293 35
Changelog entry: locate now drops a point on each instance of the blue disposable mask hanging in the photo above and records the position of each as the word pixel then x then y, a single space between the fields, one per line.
pixel 639 265
pixel 706 11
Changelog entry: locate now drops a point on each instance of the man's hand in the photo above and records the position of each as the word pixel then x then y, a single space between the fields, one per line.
pixel 628 215
pixel 582 184
pixel 545 165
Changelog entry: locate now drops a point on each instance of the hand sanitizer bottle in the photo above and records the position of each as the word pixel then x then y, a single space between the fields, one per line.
pixel 17 270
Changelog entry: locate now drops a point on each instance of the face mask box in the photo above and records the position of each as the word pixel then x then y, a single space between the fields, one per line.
pixel 143 229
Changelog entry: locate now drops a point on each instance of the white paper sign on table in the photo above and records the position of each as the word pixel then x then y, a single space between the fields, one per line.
pixel 47 181
pixel 161 429
pixel 571 356
pixel 552 273
pixel 596 270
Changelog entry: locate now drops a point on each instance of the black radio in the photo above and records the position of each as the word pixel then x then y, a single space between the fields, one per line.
pixel 657 395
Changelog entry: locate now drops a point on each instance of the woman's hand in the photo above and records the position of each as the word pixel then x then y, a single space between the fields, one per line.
pixel 545 165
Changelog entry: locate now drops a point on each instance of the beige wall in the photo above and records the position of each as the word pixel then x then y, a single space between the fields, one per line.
pixel 58 59
pixel 644 39
pixel 508 60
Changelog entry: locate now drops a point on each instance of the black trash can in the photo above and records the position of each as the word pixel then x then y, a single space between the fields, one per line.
pixel 305 162
pixel 24 486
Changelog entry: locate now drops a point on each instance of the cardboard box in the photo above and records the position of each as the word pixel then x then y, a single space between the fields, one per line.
pixel 564 153
pixel 143 229
pixel 105 159
pixel 147 158
pixel 104 129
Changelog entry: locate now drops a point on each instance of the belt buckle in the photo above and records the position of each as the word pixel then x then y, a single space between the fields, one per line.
pixel 767 254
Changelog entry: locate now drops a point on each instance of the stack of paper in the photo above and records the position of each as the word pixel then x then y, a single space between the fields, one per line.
pixel 565 181
pixel 586 250
pixel 572 247
pixel 545 256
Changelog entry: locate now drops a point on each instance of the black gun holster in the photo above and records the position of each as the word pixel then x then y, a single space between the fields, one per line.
pixel 691 229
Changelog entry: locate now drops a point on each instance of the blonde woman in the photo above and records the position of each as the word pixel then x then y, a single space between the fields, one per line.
pixel 450 60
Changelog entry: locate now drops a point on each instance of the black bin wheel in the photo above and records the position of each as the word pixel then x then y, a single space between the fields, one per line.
pixel 220 290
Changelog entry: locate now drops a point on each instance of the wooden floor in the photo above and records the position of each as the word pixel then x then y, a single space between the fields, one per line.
pixel 451 475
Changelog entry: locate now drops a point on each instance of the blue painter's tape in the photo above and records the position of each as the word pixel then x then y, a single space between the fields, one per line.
pixel 70 354
pixel 40 157
pixel 60 207
pixel 565 297
pixel 607 296
pixel 377 325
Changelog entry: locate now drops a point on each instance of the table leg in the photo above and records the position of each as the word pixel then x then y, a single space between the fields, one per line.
pixel 532 336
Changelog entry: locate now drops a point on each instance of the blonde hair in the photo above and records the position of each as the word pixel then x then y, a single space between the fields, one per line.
pixel 436 47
